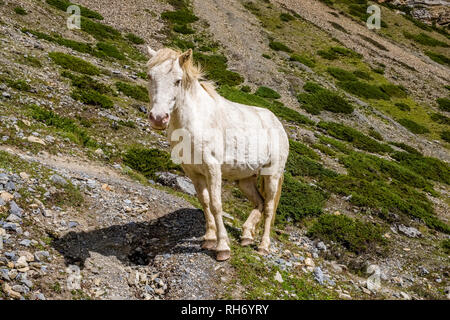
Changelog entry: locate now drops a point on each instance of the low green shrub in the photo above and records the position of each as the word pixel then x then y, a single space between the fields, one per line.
pixel 183 29
pixel 134 38
pixel 406 147
pixel 357 138
pixel 413 126
pixel 403 106
pixel 18 84
pixel 302 150
pixel 323 99
pixel 149 161
pixel 286 17
pixel 375 134
pixel 335 144
pixel 92 97
pixel 374 42
pixel 299 200
pixel 440 118
pixel 304 60
pixel 86 82
pixel 427 167
pixel 362 75
pixel 341 74
pixel 425 39
pixel 355 235
pixel 110 50
pixel 133 91
pixel 278 46
pixel 334 53
pixel 364 90
pixel 445 244
pixel 439 58
pixel 85 12
pixel 267 93
pixel 99 31
pixel 73 63
pixel 236 95
pixel 64 124
pixel 181 17
pixel 444 104
pixel 215 67
pixel 445 135
pixel 20 11
pixel 393 90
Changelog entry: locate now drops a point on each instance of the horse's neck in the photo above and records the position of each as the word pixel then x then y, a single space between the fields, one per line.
pixel 189 108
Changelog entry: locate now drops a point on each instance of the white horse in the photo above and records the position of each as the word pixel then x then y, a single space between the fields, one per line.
pixel 213 127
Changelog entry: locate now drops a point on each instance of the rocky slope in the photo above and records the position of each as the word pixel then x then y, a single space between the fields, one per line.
pixel 82 217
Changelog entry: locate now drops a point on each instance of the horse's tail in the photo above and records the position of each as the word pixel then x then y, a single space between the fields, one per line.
pixel 277 197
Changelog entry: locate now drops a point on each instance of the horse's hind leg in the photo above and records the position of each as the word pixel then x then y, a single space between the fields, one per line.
pixel 210 238
pixel 272 189
pixel 249 188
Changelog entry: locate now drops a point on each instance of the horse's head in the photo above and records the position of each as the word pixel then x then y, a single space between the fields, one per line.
pixel 167 73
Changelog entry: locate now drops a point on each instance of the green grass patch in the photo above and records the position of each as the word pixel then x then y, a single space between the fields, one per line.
pixel 149 161
pixel 18 84
pixel 20 11
pixel 341 74
pixel 363 75
pixel 215 67
pixel 183 29
pixel 443 104
pixel 355 235
pixel 67 125
pixel 364 90
pixel 445 135
pixel 303 59
pixel 86 82
pixel 299 200
pixel 427 167
pixel 440 118
pixel 335 144
pixel 99 30
pixel 180 17
pixel 278 46
pixel 413 126
pixel 439 58
pixel 425 39
pixel 92 97
pixel 445 244
pixel 236 95
pixel 267 93
pixel 110 50
pixel 318 98
pixel 85 12
pixel 134 38
pixel 302 149
pixel 403 106
pixel 393 90
pixel 406 147
pixel 357 138
pixel 69 62
pixel 133 91
pixel 286 17
pixel 334 53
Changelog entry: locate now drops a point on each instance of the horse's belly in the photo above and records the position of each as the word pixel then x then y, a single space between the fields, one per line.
pixel 240 171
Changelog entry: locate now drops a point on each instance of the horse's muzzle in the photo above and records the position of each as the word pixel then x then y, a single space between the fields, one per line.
pixel 159 122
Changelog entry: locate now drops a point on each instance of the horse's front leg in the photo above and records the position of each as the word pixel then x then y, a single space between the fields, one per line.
pixel 214 181
pixel 210 238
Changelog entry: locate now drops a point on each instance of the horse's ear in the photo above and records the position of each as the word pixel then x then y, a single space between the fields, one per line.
pixel 185 57
pixel 150 52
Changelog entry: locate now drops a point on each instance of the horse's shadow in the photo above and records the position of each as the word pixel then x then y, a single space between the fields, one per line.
pixel 137 243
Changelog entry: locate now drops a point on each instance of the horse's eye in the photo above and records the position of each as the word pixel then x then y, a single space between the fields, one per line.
pixel 177 83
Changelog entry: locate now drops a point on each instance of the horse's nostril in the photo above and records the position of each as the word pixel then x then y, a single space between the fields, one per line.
pixel 151 116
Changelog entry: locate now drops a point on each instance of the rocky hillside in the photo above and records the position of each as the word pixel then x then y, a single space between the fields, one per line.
pixel 92 207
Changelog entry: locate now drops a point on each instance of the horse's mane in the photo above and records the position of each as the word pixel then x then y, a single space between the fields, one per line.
pixel 192 72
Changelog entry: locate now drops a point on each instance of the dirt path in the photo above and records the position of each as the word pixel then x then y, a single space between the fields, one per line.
pixel 126 231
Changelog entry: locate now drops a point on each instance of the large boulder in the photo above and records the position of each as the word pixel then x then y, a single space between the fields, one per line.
pixel 180 183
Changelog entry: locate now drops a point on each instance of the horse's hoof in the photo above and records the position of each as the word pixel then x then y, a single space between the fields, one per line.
pixel 223 255
pixel 209 244
pixel 246 242
pixel 263 251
